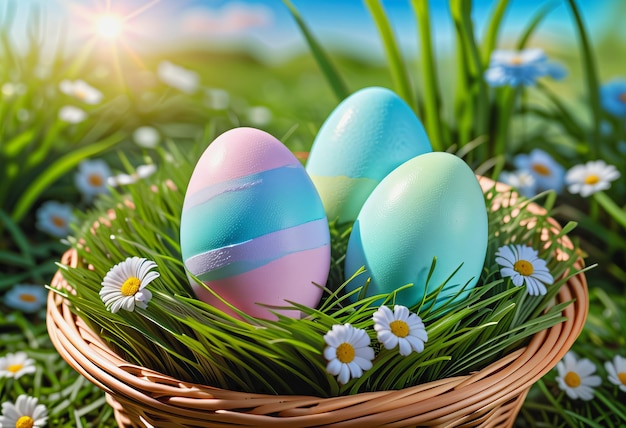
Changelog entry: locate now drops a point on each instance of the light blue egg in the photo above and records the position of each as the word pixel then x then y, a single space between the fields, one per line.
pixel 367 136
pixel 430 206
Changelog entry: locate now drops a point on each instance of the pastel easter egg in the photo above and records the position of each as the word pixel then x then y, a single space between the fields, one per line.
pixel 253 228
pixel 367 136
pixel 430 206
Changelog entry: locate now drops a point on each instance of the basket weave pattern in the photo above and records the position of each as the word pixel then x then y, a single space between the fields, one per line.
pixel 142 397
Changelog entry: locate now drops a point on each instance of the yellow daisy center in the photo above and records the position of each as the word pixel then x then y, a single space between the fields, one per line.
pixel 572 380
pixel 345 353
pixel 516 60
pixel 28 298
pixel 131 286
pixel 524 267
pixel 95 180
pixel 592 179
pixel 80 94
pixel 541 169
pixel 622 377
pixel 25 422
pixel 399 328
pixel 622 97
pixel 14 368
pixel 58 221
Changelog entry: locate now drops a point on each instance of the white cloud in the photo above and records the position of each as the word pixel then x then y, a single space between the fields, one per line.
pixel 232 19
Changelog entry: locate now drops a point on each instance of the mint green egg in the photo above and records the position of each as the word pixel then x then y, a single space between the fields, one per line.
pixel 430 206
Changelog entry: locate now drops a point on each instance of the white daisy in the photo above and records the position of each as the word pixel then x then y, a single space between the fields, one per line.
pixel 24 413
pixel 91 178
pixel 617 371
pixel 142 171
pixel 178 77
pixel 400 328
pixel 71 114
pixel 523 265
pixel 124 284
pixel 575 377
pixel 54 218
pixel 348 352
pixel 26 297
pixel 591 177
pixel 146 137
pixel 81 90
pixel 16 365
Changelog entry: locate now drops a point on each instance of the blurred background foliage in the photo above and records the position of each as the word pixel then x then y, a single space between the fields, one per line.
pixel 41 150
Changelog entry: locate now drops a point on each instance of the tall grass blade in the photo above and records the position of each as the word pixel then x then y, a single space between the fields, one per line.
pixel 618 214
pixel 591 76
pixel 19 238
pixel 534 23
pixel 397 67
pixel 56 170
pixel 432 96
pixel 493 28
pixel 473 93
pixel 507 96
pixel 565 116
pixel 506 105
pixel 328 69
pixel 462 100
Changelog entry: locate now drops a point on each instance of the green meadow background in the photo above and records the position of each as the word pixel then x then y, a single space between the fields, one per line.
pixel 40 153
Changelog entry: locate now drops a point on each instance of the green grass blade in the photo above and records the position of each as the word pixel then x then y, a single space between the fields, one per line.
pixel 16 144
pixel 397 67
pixel 617 408
pixel 56 170
pixel 462 101
pixel 432 97
pixel 47 145
pixel 534 23
pixel 328 69
pixel 565 117
pixel 491 34
pixel 19 238
pixel 591 77
pixel 506 105
pixel 618 214
pixel 476 107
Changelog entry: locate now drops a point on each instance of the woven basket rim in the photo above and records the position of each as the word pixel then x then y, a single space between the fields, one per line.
pixel 143 391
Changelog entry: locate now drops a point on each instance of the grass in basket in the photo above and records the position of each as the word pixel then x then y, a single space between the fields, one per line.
pixel 188 339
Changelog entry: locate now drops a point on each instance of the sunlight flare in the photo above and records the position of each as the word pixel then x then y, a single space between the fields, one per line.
pixel 109 26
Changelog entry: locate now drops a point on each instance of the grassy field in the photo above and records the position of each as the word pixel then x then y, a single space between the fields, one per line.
pixel 40 154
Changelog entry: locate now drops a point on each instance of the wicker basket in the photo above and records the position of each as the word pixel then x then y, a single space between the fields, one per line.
pixel 142 397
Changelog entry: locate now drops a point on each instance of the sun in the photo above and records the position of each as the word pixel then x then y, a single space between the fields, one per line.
pixel 109 26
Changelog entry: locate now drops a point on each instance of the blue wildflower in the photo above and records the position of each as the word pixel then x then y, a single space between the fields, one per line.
pixel 521 68
pixel 26 297
pixel 613 97
pixel 91 178
pixel 54 218
pixel 548 173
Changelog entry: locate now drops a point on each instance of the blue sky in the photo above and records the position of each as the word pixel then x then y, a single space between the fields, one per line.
pixel 266 27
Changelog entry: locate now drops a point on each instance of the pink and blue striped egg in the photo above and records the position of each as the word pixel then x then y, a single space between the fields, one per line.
pixel 253 227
